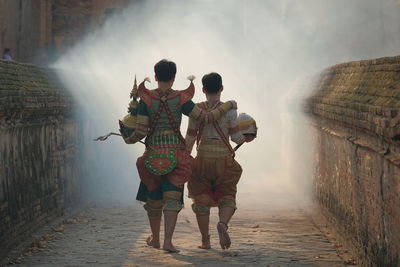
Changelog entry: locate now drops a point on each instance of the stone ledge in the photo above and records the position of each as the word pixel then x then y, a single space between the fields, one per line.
pixel 362 94
pixel 29 93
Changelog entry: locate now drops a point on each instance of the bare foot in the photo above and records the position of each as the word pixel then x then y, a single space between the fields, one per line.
pixel 152 242
pixel 170 248
pixel 224 239
pixel 205 243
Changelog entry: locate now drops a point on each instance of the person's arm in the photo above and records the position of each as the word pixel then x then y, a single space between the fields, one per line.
pixel 233 128
pixel 199 115
pixel 191 134
pixel 142 125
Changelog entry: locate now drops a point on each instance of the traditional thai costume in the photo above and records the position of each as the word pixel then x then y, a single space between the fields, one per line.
pixel 216 172
pixel 166 165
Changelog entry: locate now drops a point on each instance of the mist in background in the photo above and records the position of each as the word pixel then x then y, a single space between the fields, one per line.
pixel 264 50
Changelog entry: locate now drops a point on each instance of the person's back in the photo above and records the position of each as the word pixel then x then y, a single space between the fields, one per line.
pixel 227 124
pixel 166 122
pixel 216 172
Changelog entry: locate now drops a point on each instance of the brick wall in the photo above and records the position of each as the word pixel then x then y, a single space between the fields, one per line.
pixel 25 28
pixel 38 31
pixel 73 19
pixel 40 165
pixel 355 111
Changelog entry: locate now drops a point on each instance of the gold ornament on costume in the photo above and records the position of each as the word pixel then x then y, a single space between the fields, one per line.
pixel 128 123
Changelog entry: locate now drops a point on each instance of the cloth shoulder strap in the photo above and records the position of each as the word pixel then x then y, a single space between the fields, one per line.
pixel 203 106
pixel 154 122
pixel 224 138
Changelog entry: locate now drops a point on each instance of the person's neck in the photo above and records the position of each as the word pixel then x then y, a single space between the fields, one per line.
pixel 164 86
pixel 213 99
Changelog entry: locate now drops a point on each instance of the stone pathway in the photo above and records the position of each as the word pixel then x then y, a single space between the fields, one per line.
pixel 114 235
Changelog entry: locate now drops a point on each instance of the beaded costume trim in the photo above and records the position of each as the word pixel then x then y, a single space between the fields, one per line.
pixel 161 164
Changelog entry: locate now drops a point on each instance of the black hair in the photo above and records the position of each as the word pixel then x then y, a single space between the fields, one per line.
pixel 212 82
pixel 6 50
pixel 165 70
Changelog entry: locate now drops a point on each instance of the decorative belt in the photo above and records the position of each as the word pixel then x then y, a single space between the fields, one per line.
pixel 165 139
pixel 213 149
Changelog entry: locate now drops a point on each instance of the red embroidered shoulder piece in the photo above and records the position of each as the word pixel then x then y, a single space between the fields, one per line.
pixel 145 94
pixel 187 94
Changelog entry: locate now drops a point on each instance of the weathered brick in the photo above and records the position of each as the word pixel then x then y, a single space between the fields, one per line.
pixel 37 31
pixel 355 109
pixel 36 126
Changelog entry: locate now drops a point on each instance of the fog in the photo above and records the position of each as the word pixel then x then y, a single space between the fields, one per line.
pixel 263 50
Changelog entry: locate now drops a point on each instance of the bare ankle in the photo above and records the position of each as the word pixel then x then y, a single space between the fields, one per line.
pixel 205 238
pixel 153 242
pixel 169 247
pixel 167 242
pixel 205 242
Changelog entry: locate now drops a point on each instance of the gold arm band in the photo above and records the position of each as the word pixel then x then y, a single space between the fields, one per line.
pixel 225 107
pixel 195 113
pixel 217 113
pixel 212 116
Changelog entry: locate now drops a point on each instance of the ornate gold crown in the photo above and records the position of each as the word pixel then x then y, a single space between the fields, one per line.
pixel 134 91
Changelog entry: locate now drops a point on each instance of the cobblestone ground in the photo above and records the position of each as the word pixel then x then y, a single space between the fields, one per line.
pixel 114 235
